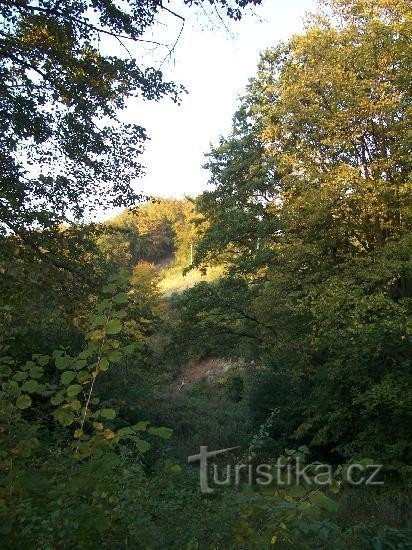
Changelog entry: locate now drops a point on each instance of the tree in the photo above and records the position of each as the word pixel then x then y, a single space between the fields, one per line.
pixel 64 150
pixel 326 134
pixel 335 105
pixel 238 212
pixel 63 146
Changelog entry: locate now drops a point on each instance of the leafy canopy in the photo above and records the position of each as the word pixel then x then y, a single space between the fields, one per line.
pixel 63 146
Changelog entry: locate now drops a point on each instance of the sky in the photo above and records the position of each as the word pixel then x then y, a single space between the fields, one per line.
pixel 214 64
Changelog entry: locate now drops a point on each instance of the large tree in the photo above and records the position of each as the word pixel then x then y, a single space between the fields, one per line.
pixel 313 193
pixel 63 146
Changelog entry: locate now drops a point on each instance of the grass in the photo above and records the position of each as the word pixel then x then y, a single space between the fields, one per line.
pixel 172 278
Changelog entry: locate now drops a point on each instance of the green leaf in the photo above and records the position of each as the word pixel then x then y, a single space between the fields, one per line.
pixel 74 390
pixel 320 500
pixel 62 361
pixel 114 326
pixel 20 376
pixel 109 289
pixel 104 364
pixel 67 377
pixel 141 426
pixel 175 469
pixel 36 372
pixel 57 399
pixel 115 356
pixel 121 298
pixel 110 414
pixel 142 446
pixel 88 352
pixel 64 416
pixel 5 371
pixel 82 376
pixel 84 450
pixel 164 433
pixel 103 305
pixel 23 402
pixel 129 349
pixel 99 320
pixel 125 431
pixel 30 386
pixel 120 314
pixel 28 365
pixel 42 360
pixel 172 468
pixel 13 388
pixel 80 364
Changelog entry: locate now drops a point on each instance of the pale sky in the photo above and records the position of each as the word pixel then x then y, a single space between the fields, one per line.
pixel 214 64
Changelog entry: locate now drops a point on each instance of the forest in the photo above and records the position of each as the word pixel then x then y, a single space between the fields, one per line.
pixel 267 318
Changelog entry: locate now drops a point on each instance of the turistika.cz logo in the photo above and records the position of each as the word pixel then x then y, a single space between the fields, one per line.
pixel 284 472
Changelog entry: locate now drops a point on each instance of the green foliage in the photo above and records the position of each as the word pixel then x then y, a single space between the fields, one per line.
pixel 311 212
pixel 156 232
pixel 63 387
pixel 305 516
pixel 308 226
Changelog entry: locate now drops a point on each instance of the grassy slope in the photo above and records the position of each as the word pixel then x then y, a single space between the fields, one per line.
pixel 172 278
